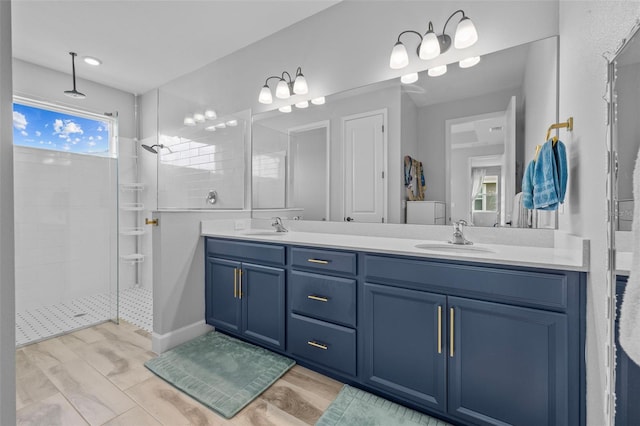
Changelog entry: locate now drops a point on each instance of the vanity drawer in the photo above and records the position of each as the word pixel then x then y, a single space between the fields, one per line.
pixel 546 289
pixel 246 251
pixel 328 344
pixel 323 297
pixel 331 261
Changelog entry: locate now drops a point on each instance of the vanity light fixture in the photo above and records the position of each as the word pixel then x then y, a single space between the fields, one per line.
pixel 437 71
pixel 210 114
pixel 433 45
pixel 210 128
pixel 286 108
pixel 285 87
pixel 198 118
pixel 221 126
pixel 74 93
pixel 409 78
pixel 232 123
pixel 318 101
pixel 469 62
pixel 303 104
pixel 189 121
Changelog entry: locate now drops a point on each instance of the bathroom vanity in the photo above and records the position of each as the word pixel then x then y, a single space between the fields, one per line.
pixel 472 336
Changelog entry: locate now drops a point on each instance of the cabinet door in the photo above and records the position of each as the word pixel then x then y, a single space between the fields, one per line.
pixel 627 373
pixel 509 365
pixel 263 308
pixel 222 302
pixel 404 347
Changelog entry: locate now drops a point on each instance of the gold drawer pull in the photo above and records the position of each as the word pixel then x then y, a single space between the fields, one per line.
pixel 318 298
pixel 235 283
pixel 240 283
pixel 322 262
pixel 317 345
pixel 452 335
pixel 439 329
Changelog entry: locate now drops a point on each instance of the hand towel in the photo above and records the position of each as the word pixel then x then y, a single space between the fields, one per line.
pixel 527 185
pixel 550 176
pixel 630 310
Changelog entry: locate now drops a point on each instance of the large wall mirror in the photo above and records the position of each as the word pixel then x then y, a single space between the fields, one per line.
pixel 626 127
pixel 431 151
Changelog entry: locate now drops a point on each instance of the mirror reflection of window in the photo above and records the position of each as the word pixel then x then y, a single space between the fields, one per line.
pixel 487 199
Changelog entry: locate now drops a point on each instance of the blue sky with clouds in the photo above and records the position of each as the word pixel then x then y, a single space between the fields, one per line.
pixel 40 128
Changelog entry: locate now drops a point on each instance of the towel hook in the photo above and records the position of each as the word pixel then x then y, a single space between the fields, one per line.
pixel 564 125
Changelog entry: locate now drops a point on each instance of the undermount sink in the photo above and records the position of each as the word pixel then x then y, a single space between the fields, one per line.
pixel 265 232
pixel 454 248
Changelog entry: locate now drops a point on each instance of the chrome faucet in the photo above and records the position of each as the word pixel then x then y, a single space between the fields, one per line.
pixel 458 236
pixel 278 225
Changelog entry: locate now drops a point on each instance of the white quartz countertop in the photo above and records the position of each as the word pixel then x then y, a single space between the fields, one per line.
pixel 623 262
pixel 515 255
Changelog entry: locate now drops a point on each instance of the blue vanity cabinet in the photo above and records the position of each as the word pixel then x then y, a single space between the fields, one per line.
pixel 321 327
pixel 507 364
pixel 627 373
pixel 481 344
pixel 405 344
pixel 243 297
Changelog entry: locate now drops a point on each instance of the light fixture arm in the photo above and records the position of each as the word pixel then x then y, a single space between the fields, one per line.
pixel 290 82
pixel 410 31
pixel 444 29
pixel 266 82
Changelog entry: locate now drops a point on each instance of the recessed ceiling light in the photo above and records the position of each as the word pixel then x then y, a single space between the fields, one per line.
pixel 469 62
pixel 92 61
pixel 437 71
pixel 409 78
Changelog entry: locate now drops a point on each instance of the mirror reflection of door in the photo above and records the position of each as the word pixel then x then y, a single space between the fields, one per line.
pixel 487 142
pixel 365 189
pixel 308 170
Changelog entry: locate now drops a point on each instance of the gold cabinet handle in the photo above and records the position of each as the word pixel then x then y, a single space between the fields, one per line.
pixel 322 262
pixel 451 333
pixel 148 221
pixel 235 283
pixel 317 345
pixel 439 329
pixel 318 298
pixel 240 283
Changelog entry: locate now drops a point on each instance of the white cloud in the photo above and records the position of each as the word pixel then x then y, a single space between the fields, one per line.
pixel 100 129
pixel 19 121
pixel 90 138
pixel 38 133
pixel 24 133
pixel 92 143
pixel 66 127
pixel 99 137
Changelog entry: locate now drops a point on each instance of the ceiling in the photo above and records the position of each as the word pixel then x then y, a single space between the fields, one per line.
pixel 144 44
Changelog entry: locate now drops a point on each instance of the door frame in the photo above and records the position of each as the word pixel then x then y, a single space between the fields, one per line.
pixel 385 158
pixel 326 124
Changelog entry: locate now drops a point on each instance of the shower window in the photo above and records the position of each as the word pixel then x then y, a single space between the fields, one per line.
pixel 57 129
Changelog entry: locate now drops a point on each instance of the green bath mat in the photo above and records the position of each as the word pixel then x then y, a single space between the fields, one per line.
pixel 221 372
pixel 354 407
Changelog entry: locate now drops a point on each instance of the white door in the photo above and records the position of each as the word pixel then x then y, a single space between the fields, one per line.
pixel 364 167
pixel 508 163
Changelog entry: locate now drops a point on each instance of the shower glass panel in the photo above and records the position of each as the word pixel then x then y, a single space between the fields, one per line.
pixel 201 155
pixel 66 219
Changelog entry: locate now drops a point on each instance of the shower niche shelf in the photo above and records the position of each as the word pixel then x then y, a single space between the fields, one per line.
pixel 132 186
pixel 132 231
pixel 132 207
pixel 132 258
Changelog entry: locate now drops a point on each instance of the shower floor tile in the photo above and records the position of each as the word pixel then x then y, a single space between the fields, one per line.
pixel 136 307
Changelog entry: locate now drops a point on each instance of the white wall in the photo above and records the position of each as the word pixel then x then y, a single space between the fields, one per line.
pixel 65 226
pixel 628 126
pixel 588 29
pixel 7 286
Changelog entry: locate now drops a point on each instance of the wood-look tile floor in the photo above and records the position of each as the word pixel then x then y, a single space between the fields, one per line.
pixel 97 376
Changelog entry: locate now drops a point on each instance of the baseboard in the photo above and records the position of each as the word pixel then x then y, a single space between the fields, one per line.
pixel 163 342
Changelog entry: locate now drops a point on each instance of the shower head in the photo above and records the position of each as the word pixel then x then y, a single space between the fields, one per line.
pixel 152 148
